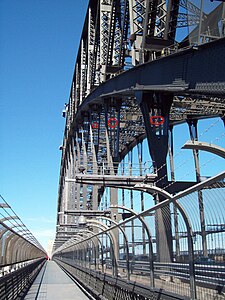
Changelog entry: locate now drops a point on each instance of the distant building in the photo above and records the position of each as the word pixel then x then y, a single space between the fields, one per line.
pixel 49 248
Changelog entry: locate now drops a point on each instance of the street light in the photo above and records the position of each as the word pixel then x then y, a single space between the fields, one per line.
pixel 82 221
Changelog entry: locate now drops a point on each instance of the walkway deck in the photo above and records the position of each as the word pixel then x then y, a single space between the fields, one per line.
pixel 53 284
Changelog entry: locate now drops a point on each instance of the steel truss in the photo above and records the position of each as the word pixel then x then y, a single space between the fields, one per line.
pixel 134 79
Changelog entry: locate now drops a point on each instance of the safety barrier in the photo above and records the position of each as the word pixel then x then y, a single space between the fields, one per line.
pixel 16 284
pixel 105 287
pixel 196 268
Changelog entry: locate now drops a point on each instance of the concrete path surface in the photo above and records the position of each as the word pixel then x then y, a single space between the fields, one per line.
pixel 55 285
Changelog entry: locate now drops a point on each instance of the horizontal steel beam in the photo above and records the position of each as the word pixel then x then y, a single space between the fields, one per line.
pixel 91 213
pixel 205 147
pixel 194 74
pixel 113 180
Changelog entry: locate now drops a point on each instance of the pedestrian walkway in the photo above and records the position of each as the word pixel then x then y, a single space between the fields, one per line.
pixel 54 284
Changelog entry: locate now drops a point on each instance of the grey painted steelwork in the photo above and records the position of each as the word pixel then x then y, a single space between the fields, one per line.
pixel 205 147
pixel 137 76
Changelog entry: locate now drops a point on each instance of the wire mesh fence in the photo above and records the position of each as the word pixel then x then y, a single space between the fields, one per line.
pixel 177 245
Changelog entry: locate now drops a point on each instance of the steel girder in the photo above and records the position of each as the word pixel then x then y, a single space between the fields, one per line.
pixel 91 138
pixel 119 31
pixel 104 121
pixel 118 34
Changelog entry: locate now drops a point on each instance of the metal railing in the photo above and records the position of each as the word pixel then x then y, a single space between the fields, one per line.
pixel 16 284
pixel 17 243
pixel 189 267
pixel 105 287
pixel 123 169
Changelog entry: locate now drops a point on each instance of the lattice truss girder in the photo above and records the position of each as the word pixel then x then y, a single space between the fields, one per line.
pixel 106 43
pixel 131 125
pixel 121 33
pixel 189 14
pixel 91 46
pixel 147 17
pixel 187 107
pixel 106 8
pixel 183 108
pixel 121 120
pixel 114 23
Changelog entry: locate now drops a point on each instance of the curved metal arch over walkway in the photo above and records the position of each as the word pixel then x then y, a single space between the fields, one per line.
pixel 21 255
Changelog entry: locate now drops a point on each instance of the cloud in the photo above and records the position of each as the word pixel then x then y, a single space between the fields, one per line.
pixel 48 233
pixel 44 237
pixel 41 220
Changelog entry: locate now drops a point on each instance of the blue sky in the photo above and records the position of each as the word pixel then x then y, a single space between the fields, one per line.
pixel 39 42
